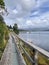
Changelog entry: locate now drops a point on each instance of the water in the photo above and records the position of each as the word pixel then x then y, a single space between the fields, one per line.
pixel 39 38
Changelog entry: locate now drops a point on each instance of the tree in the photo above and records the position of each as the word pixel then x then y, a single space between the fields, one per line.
pixel 10 27
pixel 15 29
pixel 2 4
pixel 2 8
pixel 1 19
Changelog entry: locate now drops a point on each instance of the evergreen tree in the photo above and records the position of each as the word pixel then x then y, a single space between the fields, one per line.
pixel 15 29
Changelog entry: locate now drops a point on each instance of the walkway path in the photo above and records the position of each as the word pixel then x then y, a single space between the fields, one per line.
pixel 10 55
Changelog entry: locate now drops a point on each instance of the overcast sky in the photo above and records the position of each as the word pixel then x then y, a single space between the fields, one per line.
pixel 27 13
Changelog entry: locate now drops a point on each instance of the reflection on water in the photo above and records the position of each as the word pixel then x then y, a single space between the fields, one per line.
pixel 40 38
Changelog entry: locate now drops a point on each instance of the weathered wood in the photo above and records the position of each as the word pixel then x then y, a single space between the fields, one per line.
pixel 35 57
pixel 20 57
pixel 32 46
pixel 35 49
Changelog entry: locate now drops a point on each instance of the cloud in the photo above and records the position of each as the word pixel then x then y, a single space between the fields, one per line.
pixel 23 7
pixel 15 11
pixel 29 23
pixel 28 13
pixel 41 7
pixel 28 5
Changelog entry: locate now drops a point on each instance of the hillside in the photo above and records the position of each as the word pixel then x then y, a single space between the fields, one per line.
pixel 3 35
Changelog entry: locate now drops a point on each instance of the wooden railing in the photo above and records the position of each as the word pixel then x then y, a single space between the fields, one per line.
pixel 31 52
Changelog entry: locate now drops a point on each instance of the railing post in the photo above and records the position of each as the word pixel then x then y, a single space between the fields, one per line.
pixel 19 43
pixel 35 57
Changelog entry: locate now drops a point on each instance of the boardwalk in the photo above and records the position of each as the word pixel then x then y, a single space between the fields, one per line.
pixel 11 56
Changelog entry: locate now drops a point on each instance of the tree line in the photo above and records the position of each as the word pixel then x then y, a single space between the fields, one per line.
pixel 14 28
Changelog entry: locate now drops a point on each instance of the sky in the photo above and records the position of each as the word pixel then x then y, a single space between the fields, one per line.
pixel 27 13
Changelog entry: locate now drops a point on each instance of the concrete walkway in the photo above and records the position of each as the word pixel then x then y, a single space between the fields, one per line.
pixel 10 54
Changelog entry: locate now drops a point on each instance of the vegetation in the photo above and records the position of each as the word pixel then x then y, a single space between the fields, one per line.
pixel 3 35
pixel 2 5
pixel 42 60
pixel 9 27
pixel 15 29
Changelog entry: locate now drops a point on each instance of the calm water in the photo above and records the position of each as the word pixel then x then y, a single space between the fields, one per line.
pixel 40 38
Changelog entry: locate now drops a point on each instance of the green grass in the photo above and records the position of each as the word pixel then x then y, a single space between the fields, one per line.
pixel 3 37
pixel 27 60
pixel 42 60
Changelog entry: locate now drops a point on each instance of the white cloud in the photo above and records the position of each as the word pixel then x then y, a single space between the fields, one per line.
pixel 45 18
pixel 41 2
pixel 36 12
pixel 15 11
pixel 19 11
pixel 41 21
pixel 23 7
pixel 29 23
pixel 28 5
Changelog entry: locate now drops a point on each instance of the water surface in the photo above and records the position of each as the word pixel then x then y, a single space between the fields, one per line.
pixel 39 38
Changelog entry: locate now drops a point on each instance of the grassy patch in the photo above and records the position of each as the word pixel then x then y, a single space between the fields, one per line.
pixel 42 60
pixel 3 37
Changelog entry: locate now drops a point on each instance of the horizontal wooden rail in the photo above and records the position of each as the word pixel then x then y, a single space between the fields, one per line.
pixel 31 45
pixel 31 60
